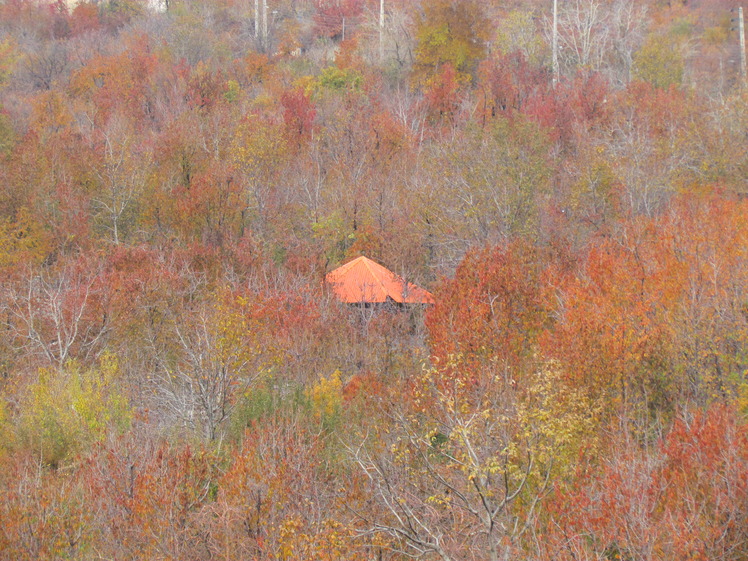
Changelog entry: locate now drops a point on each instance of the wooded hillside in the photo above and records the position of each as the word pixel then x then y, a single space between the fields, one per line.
pixel 178 177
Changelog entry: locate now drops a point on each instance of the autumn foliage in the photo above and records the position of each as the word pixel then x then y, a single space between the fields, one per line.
pixel 178 177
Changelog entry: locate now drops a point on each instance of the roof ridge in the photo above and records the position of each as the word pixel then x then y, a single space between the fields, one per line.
pixel 394 278
pixel 349 265
pixel 366 262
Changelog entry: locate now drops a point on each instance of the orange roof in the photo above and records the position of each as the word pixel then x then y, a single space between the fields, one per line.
pixel 363 280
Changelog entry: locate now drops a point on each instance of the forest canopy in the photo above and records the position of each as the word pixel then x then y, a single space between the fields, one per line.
pixel 177 178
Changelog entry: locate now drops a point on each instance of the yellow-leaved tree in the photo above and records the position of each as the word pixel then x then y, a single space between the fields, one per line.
pixel 218 357
pixel 69 409
pixel 6 432
pixel 326 398
pixel 258 150
pixel 465 468
pixel 450 33
pixel 23 240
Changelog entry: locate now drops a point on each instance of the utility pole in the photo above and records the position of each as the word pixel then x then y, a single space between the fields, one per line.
pixel 555 43
pixel 742 45
pixel 265 24
pixel 257 18
pixel 381 31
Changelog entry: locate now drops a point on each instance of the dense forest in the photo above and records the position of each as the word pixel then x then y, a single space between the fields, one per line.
pixel 177 382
